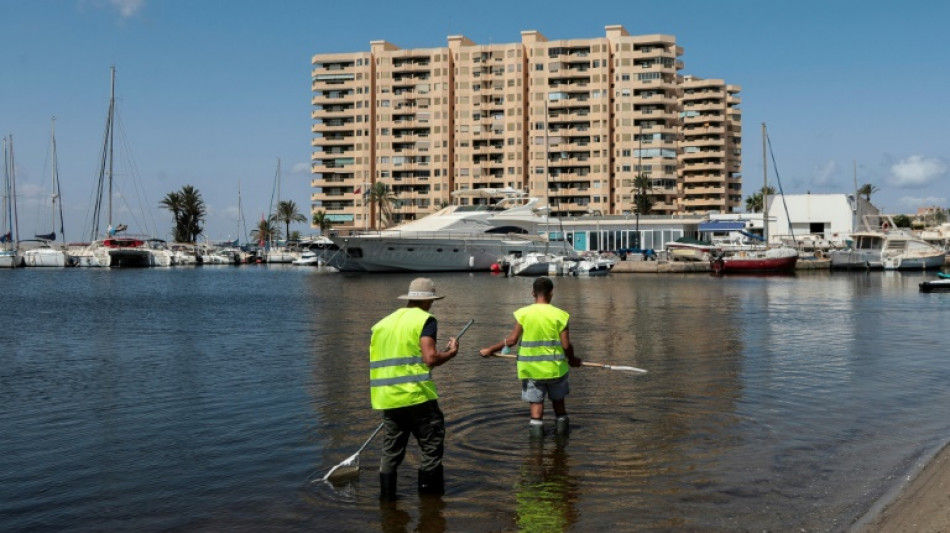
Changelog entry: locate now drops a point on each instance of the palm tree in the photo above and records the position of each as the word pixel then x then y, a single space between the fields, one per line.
pixel 266 231
pixel 754 203
pixel 641 201
pixel 172 202
pixel 287 212
pixel 188 210
pixel 867 190
pixel 383 198
pixel 321 220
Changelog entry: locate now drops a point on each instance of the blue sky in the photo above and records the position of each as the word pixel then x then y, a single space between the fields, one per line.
pixel 212 93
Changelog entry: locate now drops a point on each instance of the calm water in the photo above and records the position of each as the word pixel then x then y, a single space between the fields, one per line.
pixel 207 399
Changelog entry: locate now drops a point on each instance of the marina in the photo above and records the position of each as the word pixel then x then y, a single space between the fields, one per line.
pixel 169 399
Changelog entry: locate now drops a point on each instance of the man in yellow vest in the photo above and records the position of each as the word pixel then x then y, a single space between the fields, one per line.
pixel 543 357
pixel 402 353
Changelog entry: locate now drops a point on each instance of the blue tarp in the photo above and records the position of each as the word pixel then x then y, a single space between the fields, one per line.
pixel 722 225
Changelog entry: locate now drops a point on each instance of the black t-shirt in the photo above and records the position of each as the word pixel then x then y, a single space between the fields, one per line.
pixel 430 328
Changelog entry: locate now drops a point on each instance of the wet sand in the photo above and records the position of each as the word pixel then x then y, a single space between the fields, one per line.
pixel 921 505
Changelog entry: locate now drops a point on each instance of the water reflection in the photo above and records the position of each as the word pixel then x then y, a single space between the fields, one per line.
pixel 546 492
pixel 203 399
pixel 394 518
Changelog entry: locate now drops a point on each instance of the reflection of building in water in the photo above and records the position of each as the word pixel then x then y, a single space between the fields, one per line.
pixel 546 492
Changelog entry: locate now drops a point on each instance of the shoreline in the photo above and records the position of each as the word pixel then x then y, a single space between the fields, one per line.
pixel 920 504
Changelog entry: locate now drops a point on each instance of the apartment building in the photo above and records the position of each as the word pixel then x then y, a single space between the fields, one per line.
pixel 710 151
pixel 591 126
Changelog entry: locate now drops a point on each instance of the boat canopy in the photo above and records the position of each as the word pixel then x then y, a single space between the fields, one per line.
pixel 722 225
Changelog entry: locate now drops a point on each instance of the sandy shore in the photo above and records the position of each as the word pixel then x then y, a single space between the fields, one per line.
pixel 922 505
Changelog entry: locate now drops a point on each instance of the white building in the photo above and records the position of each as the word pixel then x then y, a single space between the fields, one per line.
pixel 817 220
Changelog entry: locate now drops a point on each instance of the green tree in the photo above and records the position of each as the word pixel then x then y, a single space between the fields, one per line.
pixel 901 221
pixel 383 198
pixel 287 212
pixel 755 202
pixel 867 190
pixel 322 220
pixel 642 203
pixel 265 232
pixel 188 210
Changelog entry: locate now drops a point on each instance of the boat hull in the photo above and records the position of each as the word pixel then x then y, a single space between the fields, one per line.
pixel 873 260
pixel 939 285
pixel 754 264
pixel 368 254
pixel 10 260
pixel 46 257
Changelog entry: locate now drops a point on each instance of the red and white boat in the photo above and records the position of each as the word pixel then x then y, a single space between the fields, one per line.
pixel 760 260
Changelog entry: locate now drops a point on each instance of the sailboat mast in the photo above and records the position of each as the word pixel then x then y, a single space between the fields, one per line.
pixel 15 224
pixel 111 135
pixel 855 215
pixel 7 213
pixel 54 186
pixel 765 188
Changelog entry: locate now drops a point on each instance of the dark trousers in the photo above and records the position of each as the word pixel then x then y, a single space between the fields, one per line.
pixel 423 421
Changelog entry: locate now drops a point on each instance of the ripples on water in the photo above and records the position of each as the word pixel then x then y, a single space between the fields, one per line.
pixel 206 399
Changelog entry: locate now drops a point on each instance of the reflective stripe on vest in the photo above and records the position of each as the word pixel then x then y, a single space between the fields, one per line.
pixel 398 375
pixel 541 355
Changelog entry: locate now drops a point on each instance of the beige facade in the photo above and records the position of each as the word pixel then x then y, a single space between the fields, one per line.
pixel 573 122
pixel 711 146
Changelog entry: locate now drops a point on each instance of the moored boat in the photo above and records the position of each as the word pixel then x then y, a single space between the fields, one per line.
pixel 938 285
pixel 687 249
pixel 456 238
pixel 880 244
pixel 762 260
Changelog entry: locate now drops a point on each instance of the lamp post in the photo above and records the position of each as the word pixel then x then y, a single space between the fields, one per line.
pixel 638 182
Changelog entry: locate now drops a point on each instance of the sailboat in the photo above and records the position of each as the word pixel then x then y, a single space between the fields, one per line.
pixel 277 253
pixel 10 236
pixel 47 255
pixel 115 250
pixel 756 258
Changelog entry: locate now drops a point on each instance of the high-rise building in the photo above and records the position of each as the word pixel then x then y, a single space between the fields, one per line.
pixel 710 150
pixel 604 125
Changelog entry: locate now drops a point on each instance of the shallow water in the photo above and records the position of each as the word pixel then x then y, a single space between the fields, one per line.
pixel 207 399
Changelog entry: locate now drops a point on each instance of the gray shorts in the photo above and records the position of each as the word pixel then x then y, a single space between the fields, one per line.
pixel 535 390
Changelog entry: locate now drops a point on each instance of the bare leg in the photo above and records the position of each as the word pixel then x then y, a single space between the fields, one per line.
pixel 537 410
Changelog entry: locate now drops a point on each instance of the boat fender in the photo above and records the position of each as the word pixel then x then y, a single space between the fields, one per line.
pixel 471 261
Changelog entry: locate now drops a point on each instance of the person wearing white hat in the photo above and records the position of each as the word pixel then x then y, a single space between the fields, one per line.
pixel 402 353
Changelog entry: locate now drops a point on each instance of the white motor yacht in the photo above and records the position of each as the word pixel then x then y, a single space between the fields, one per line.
pixel 880 244
pixel 456 238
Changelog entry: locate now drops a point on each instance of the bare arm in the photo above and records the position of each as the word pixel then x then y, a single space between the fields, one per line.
pixel 569 348
pixel 433 357
pixel 510 340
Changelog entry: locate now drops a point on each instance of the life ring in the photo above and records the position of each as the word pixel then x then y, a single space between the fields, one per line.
pixel 885 226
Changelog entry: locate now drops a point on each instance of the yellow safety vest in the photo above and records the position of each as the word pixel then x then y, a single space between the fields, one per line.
pixel 541 355
pixel 397 375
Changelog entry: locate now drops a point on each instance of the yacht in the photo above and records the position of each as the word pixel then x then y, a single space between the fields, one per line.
pixel 880 244
pixel 471 237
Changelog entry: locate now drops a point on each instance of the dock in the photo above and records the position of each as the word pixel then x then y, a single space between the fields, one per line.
pixel 676 267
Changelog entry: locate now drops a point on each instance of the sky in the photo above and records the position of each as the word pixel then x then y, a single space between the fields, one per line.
pixel 213 93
